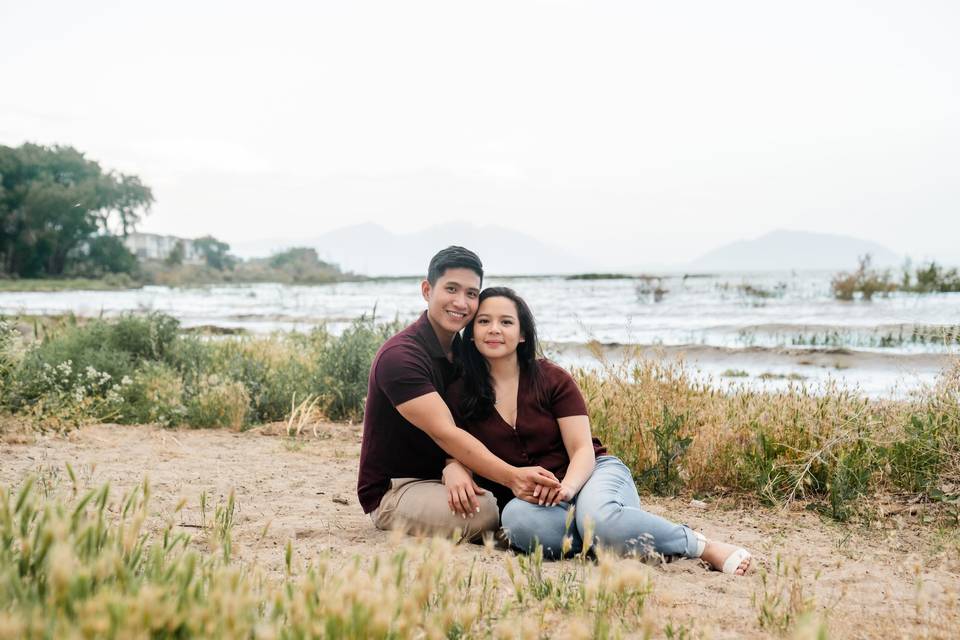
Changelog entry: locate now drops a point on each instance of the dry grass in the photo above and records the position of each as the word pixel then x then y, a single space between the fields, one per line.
pixel 678 432
pixel 85 566
pixel 294 509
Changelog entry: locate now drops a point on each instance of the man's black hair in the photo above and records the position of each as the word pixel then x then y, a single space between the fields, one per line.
pixel 453 258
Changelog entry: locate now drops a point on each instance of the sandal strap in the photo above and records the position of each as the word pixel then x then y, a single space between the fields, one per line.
pixel 732 563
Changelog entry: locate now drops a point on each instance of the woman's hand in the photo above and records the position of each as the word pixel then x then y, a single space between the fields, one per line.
pixel 462 491
pixel 544 496
pixel 552 496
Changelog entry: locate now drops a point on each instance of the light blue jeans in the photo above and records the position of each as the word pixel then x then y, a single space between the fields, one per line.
pixel 610 501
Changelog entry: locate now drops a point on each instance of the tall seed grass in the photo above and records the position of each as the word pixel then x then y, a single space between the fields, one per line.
pixel 88 566
pixel 833 446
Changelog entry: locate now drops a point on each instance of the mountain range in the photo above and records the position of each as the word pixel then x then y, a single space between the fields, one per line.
pixel 783 249
pixel 370 249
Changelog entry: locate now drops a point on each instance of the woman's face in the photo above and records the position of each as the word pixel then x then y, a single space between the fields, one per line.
pixel 496 328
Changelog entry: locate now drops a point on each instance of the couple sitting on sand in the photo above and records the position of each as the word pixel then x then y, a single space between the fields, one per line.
pixel 441 408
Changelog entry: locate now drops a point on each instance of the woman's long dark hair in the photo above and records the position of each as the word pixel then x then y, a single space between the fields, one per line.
pixel 478 397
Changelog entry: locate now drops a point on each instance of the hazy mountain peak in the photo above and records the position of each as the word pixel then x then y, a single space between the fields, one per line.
pixel 786 249
pixel 370 249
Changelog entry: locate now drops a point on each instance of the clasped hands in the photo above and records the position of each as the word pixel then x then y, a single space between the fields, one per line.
pixel 535 485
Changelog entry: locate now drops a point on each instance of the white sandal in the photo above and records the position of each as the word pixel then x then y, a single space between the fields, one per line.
pixel 733 561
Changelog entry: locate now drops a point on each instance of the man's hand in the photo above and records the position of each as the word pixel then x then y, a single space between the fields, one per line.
pixel 525 480
pixel 462 491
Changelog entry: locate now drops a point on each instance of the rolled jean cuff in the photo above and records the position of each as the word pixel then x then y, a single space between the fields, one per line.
pixel 692 542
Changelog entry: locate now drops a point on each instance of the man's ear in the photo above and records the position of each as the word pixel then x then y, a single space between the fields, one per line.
pixel 425 289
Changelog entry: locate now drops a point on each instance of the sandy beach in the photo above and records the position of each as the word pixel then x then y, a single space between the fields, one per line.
pixel 890 577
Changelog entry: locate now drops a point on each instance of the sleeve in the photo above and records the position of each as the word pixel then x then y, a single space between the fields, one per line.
pixel 565 397
pixel 454 398
pixel 403 376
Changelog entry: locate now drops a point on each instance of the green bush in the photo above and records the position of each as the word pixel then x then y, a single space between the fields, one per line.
pixel 192 357
pixel 344 366
pixel 70 395
pixel 274 370
pixel 218 402
pixel 915 461
pixel 155 395
pixel 91 357
pixel 8 354
pixel 931 278
pixel 140 369
pixel 663 477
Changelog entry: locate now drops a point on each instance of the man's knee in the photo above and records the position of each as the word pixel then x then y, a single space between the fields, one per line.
pixel 484 521
pixel 422 510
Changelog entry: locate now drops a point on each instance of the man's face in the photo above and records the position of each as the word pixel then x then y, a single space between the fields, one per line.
pixel 452 301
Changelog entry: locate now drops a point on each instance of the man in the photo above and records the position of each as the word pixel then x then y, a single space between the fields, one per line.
pixel 408 432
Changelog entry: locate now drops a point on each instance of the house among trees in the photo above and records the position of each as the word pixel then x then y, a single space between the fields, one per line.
pixel 152 246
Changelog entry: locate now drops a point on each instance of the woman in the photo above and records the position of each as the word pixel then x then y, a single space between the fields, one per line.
pixel 530 411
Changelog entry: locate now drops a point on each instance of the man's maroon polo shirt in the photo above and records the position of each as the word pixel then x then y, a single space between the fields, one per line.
pixel 407 366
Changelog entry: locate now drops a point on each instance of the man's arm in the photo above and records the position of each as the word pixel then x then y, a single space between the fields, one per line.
pixel 430 414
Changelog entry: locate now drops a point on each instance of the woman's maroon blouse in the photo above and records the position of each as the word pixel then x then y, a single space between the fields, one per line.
pixel 536 440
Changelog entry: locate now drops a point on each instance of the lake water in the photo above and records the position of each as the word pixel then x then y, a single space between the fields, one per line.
pixel 747 311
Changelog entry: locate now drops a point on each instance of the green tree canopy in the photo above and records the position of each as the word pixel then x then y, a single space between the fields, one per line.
pixel 215 252
pixel 53 201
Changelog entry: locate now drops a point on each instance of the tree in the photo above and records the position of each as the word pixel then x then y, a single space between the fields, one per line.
pixel 53 200
pixel 215 253
pixel 302 257
pixel 106 254
pixel 175 257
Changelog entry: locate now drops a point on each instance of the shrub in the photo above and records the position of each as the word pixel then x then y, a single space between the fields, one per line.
pixel 864 280
pixel 9 356
pixel 147 337
pixel 155 395
pixel 78 373
pixel 63 360
pixel 931 278
pixel 218 403
pixel 274 370
pixel 663 476
pixel 68 395
pixel 344 366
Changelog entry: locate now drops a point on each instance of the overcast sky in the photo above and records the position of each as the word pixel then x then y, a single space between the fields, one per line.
pixel 628 132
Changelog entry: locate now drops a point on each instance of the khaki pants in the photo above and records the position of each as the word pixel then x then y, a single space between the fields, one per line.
pixel 419 507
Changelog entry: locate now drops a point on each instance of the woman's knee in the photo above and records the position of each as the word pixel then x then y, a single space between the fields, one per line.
pixel 517 521
pixel 599 515
pixel 527 525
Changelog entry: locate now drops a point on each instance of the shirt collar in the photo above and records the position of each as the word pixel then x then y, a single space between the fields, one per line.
pixel 425 330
